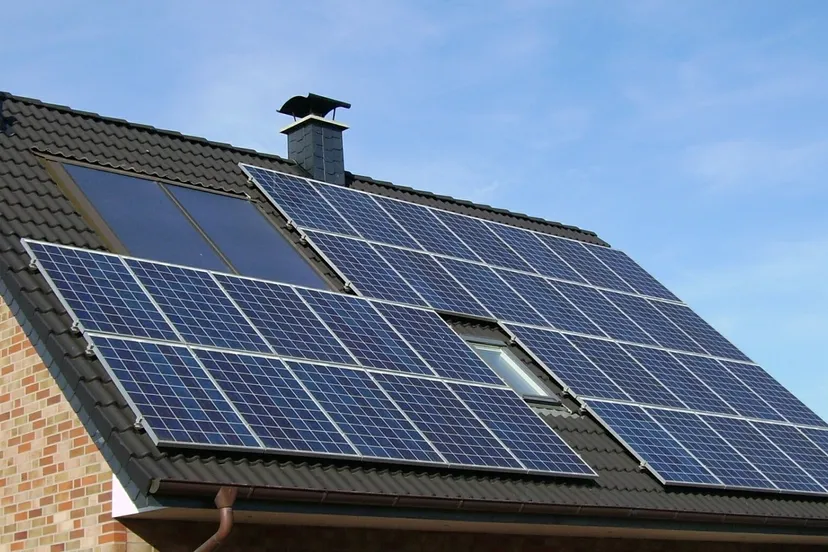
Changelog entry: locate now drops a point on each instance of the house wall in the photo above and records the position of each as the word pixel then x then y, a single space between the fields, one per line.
pixel 55 487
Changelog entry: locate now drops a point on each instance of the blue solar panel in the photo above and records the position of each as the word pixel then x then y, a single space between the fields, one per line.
pixel 364 413
pixel 603 313
pixel 548 301
pixel 570 366
pixel 692 324
pixel 763 454
pixel 817 436
pixel 653 444
pixel 101 293
pixel 364 332
pixel 273 403
pixel 427 229
pixel 284 319
pixel 534 252
pixel 366 216
pixel 197 307
pixel 653 322
pixel 432 282
pixel 519 428
pixel 299 200
pixel 625 372
pixel 631 272
pixel 172 393
pixel 678 379
pixel 493 292
pixel 800 449
pixel 765 386
pixel 731 390
pixel 447 354
pixel 586 264
pixel 477 236
pixel 369 273
pixel 711 450
pixel 447 422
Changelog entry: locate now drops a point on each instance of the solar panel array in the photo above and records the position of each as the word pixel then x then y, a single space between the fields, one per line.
pixel 683 398
pixel 213 360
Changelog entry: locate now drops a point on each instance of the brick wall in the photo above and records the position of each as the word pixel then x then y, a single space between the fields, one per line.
pixel 54 483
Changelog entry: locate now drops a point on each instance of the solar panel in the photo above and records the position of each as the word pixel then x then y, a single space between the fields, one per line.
pixel 653 322
pixel 631 272
pixel 734 392
pixel 197 307
pixel 791 408
pixel 99 292
pixel 711 450
pixel 285 320
pixel 548 301
pixel 712 341
pixel 364 413
pixel 494 293
pixel 818 436
pixel 534 252
pixel 568 364
pixel 298 200
pixel 529 438
pixel 366 216
pixel 427 229
pixel 603 313
pixel 448 355
pixel 799 448
pixel 364 332
pixel 363 267
pixel 274 404
pixel 172 393
pixel 432 282
pixel 587 265
pixel 445 421
pixel 639 384
pixel 763 454
pixel 477 236
pixel 684 385
pixel 662 453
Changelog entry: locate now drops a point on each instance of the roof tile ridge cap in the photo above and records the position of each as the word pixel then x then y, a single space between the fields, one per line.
pixel 124 122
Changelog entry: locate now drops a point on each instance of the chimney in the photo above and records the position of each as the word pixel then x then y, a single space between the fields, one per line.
pixel 314 141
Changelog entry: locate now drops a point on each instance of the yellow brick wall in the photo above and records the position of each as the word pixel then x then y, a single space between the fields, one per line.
pixel 55 487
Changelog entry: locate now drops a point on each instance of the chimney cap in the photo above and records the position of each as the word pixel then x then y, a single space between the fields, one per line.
pixel 312 104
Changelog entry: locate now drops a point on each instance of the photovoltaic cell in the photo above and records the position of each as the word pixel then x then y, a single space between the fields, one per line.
pixel 760 452
pixel 197 307
pixel 364 413
pixel 692 324
pixel 299 200
pixel 101 292
pixel 586 264
pixel 817 436
pixel 570 366
pixel 625 372
pixel 493 292
pixel 548 301
pixel 447 422
pixel 631 272
pixel 284 319
pixel 273 403
pixel 438 344
pixel 370 274
pixel 651 320
pixel 432 282
pixel 534 252
pixel 652 443
pixel 366 216
pixel 364 332
pixel 173 394
pixel 806 454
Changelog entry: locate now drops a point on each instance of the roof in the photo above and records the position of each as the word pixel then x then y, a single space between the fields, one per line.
pixel 32 206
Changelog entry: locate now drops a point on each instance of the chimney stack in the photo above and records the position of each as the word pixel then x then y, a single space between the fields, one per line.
pixel 314 141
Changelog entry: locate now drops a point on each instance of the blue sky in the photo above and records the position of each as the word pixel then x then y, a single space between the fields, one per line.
pixel 692 135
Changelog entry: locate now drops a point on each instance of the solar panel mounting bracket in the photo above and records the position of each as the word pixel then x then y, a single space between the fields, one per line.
pixel 90 350
pixel 75 328
pixel 32 266
pixel 138 424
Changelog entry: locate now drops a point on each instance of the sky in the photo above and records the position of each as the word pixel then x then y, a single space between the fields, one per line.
pixel 692 135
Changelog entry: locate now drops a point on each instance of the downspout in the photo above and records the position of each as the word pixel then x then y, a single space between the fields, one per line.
pixel 224 502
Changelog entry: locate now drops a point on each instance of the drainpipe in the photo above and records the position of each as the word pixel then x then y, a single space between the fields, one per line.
pixel 224 502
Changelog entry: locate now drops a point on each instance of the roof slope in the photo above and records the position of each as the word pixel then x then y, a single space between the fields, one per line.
pixel 32 206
